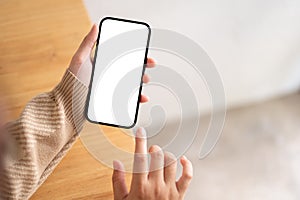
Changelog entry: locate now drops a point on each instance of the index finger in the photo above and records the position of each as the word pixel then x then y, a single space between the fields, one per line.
pixel 140 164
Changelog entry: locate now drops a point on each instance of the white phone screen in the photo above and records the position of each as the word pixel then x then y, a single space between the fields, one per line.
pixel 118 68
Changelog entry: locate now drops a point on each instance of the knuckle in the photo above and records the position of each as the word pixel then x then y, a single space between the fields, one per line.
pixel 140 158
pixel 188 176
pixel 140 163
pixel 77 60
pixel 140 140
pixel 80 59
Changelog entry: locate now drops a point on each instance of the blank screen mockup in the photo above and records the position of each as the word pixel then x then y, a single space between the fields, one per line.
pixel 117 72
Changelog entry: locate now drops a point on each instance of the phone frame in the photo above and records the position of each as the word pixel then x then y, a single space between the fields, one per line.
pixel 93 69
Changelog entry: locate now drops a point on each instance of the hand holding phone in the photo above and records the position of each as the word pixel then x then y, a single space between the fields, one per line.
pixel 118 68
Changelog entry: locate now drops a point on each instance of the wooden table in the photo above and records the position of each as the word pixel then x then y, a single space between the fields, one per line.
pixel 38 39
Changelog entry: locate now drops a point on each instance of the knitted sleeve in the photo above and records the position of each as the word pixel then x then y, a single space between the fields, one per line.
pixel 37 141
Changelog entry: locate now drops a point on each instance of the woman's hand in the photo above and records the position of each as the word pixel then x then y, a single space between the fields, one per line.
pixel 157 184
pixel 81 65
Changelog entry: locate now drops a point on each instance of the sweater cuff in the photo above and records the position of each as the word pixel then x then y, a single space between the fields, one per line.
pixel 70 95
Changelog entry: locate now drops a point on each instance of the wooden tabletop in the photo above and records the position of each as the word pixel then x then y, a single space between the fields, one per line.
pixel 38 39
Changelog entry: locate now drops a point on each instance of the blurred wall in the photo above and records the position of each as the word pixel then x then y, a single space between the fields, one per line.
pixel 255 44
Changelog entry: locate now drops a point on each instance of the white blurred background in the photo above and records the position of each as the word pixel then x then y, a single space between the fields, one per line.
pixel 254 44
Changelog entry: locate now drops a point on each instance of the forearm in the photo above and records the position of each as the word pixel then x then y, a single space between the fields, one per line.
pixel 37 141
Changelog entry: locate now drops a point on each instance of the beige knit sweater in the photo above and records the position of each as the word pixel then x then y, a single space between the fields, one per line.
pixel 37 141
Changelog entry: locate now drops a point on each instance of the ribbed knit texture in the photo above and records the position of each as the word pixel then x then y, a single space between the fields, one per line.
pixel 37 141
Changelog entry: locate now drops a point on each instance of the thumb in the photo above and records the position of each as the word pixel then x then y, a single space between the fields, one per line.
pixel 88 42
pixel 118 179
pixel 84 51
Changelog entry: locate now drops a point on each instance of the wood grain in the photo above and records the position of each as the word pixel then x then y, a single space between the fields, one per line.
pixel 38 39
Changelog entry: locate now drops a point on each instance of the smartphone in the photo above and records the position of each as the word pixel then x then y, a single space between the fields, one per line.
pixel 118 68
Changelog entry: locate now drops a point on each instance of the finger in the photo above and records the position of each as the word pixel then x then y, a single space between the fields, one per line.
pixel 85 47
pixel 144 99
pixel 140 164
pixel 186 177
pixel 150 63
pixel 118 180
pixel 170 168
pixel 156 164
pixel 146 78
